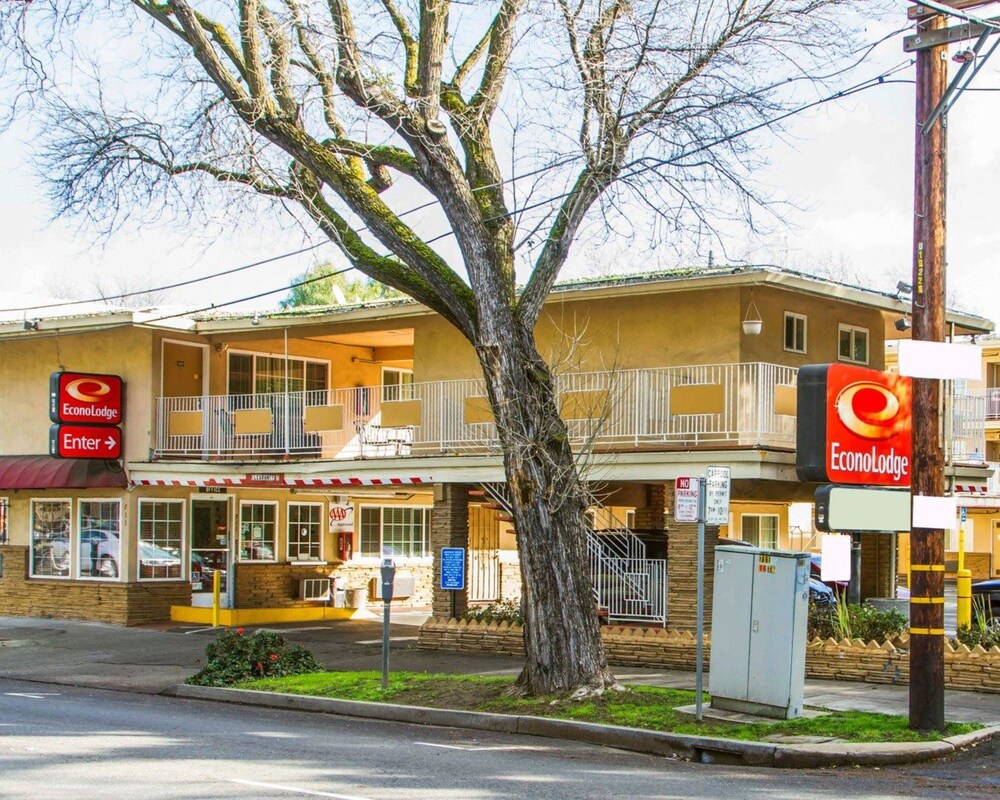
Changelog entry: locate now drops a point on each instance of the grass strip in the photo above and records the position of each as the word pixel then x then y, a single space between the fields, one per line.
pixel 648 707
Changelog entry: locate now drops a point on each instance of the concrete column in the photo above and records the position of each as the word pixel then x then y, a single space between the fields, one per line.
pixel 682 569
pixel 449 528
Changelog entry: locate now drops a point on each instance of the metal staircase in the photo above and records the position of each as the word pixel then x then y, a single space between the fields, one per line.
pixel 627 586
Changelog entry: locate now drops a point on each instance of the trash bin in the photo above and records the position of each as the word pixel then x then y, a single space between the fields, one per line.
pixel 357 598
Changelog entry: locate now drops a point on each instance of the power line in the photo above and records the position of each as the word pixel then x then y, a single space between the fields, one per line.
pixel 878 80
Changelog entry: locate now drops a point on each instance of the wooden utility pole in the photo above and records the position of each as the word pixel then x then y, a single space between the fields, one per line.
pixel 927 545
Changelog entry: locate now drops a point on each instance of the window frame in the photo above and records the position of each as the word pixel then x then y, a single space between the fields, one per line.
pixel 31 533
pixel 320 527
pixel 844 327
pixel 254 355
pixel 360 512
pixel 759 517
pixel 182 536
pixel 239 532
pixel 78 572
pixel 4 519
pixel 795 317
pixel 388 389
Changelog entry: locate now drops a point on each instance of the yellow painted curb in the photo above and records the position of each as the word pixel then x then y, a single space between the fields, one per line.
pixel 230 617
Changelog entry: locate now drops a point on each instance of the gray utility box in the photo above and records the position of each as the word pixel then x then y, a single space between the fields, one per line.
pixel 759 611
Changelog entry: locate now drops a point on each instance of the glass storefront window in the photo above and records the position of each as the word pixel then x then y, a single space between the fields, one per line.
pixel 161 539
pixel 305 531
pixel 98 539
pixel 257 531
pixel 50 538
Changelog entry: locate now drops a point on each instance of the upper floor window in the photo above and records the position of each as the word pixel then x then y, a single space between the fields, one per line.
pixel 252 373
pixel 397 384
pixel 853 344
pixel 760 530
pixel 795 332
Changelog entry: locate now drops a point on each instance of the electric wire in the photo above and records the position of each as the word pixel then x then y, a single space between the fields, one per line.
pixel 869 83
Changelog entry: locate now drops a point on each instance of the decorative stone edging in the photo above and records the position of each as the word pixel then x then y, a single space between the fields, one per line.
pixel 974 669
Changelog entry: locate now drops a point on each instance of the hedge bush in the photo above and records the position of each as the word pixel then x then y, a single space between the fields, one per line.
pixel 235 657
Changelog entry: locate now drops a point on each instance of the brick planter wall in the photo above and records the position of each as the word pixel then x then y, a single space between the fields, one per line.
pixel 974 670
pixel 96 601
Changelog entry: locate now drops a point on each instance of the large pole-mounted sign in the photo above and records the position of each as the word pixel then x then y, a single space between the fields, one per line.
pixel 86 409
pixel 853 426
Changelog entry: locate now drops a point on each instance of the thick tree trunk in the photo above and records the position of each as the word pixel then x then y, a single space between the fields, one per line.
pixel 562 636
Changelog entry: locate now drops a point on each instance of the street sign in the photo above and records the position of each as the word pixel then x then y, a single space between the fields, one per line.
pixel 717 495
pixel 453 568
pixel 86 398
pixel 686 500
pixel 963 514
pixel 85 441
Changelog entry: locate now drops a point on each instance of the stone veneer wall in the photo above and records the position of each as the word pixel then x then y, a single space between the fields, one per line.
pixel 972 670
pixel 276 585
pixel 97 601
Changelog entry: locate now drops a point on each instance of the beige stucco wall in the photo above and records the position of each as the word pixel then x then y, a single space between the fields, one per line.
pixel 24 385
pixel 824 316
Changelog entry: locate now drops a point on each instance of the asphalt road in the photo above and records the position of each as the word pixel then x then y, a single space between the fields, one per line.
pixel 65 742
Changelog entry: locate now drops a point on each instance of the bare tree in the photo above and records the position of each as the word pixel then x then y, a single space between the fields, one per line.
pixel 325 104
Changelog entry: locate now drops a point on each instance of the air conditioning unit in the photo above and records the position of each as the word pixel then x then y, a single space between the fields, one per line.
pixel 317 589
pixel 404 585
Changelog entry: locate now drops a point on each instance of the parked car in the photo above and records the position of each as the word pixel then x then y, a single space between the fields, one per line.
pixel 821 594
pixel 989 592
pixel 99 551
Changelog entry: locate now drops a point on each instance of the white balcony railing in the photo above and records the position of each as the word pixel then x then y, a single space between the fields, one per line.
pixel 735 404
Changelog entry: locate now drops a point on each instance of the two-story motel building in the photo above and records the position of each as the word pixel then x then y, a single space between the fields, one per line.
pixel 282 454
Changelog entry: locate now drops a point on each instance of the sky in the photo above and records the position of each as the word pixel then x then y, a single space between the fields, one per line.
pixel 846 166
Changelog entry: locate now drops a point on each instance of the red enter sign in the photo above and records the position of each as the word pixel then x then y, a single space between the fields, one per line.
pixel 85 441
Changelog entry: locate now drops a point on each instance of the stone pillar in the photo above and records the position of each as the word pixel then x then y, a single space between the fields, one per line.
pixel 682 569
pixel 449 528
pixel 650 517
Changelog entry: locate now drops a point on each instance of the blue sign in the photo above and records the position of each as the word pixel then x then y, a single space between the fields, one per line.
pixel 453 568
pixel 964 512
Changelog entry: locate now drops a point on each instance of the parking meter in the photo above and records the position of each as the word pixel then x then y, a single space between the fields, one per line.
pixel 388 576
pixel 388 570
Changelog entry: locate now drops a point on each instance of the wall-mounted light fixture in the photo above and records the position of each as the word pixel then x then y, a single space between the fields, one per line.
pixel 31 324
pixel 902 324
pixel 752 323
pixel 256 318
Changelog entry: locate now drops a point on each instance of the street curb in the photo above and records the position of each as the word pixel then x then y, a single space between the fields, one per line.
pixel 701 749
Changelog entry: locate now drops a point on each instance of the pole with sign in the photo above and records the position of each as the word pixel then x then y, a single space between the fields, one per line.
pixel 452 572
pixel 388 571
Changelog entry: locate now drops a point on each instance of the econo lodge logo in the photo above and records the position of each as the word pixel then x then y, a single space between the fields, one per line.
pixel 868 426
pixel 87 390
pixel 87 398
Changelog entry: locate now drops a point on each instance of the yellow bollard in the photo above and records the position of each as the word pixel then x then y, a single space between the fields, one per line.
pixel 964 585
pixel 216 597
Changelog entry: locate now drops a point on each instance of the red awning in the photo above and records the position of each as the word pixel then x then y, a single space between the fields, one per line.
pixel 45 472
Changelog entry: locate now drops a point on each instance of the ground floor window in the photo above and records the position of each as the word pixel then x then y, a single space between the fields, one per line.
pixel 394 530
pixel 305 531
pixel 99 538
pixel 760 530
pixel 161 539
pixel 258 527
pixel 50 538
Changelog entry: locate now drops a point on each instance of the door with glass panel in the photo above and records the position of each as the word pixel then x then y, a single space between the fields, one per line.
pixel 211 548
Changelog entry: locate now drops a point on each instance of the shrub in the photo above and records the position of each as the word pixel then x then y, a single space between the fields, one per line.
pixel 984 631
pixel 506 611
pixel 235 657
pixel 846 621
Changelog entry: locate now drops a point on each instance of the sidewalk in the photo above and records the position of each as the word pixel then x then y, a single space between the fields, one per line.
pixel 158 659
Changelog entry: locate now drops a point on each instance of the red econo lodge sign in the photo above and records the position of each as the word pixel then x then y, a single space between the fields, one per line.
pixel 853 426
pixel 86 398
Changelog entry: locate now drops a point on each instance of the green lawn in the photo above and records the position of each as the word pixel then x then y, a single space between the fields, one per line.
pixel 639 707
